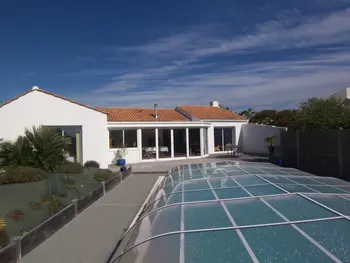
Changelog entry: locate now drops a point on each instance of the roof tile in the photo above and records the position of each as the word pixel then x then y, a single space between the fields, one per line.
pixel 141 114
pixel 211 113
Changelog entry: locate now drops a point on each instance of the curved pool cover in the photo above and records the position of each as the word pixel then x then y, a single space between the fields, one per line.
pixel 241 212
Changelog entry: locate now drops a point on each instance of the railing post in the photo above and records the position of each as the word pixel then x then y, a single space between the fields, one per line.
pixel 340 155
pixel 121 176
pixel 75 203
pixel 298 148
pixel 16 240
pixel 103 187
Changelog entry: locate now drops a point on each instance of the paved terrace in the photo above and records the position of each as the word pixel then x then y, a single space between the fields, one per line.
pixel 92 235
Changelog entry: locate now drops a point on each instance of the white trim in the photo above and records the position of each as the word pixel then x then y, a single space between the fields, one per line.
pixel 201 141
pixel 187 144
pixel 156 134
pixel 122 125
pixel 172 143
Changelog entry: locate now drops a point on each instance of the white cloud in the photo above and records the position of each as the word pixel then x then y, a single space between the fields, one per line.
pixel 188 68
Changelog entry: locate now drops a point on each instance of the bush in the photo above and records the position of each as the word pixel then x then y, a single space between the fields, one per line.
pixel 103 175
pixel 22 175
pixel 70 168
pixel 91 164
pixel 42 147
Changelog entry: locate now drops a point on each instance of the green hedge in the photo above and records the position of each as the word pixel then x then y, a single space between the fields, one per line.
pixel 91 164
pixel 103 175
pixel 22 174
pixel 69 168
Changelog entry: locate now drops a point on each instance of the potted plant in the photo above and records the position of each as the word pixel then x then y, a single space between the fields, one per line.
pixel 271 146
pixel 120 156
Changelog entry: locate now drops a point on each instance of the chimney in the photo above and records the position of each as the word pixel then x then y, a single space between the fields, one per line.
pixel 214 103
pixel 156 111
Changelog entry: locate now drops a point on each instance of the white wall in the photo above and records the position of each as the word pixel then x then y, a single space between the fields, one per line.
pixel 253 135
pixel 37 108
pixel 221 124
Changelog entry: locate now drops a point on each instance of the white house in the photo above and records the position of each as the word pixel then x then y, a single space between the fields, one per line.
pixel 148 134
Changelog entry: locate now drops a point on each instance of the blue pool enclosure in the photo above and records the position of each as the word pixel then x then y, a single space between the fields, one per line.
pixel 241 212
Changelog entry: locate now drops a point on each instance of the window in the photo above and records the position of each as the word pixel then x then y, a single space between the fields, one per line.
pixel 115 138
pixel 222 137
pixel 118 138
pixel 194 142
pixel 130 138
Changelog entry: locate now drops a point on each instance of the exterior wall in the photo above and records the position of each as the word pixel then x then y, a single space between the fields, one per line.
pixel 253 135
pixel 224 124
pixel 37 108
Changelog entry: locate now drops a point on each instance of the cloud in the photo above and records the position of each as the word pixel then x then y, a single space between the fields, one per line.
pixel 278 63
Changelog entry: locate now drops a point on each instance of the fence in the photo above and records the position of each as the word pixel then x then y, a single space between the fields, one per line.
pixel 22 245
pixel 324 153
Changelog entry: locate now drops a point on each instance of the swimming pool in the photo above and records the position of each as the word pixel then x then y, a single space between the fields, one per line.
pixel 241 212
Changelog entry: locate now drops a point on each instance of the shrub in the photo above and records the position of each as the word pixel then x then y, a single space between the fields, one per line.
pixel 53 204
pixel 70 168
pixel 35 205
pixel 42 147
pixel 21 174
pixel 15 214
pixel 91 164
pixel 103 175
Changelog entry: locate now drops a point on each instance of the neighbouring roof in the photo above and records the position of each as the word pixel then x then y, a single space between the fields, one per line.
pixel 51 94
pixel 141 114
pixel 211 113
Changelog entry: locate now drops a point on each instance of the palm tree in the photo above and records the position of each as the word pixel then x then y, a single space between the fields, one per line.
pixel 42 147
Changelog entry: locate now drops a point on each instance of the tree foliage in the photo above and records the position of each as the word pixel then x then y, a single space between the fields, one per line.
pixel 42 147
pixel 312 114
pixel 323 114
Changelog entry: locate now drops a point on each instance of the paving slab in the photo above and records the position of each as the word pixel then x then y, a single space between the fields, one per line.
pixel 92 235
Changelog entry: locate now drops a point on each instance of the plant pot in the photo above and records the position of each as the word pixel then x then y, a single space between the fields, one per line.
pixel 121 162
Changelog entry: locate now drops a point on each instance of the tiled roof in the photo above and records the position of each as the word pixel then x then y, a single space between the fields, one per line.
pixel 140 114
pixel 51 94
pixel 211 113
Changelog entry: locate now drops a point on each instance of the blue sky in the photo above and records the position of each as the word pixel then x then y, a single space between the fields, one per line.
pixel 247 53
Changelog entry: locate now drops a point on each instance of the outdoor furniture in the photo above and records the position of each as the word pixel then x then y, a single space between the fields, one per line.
pixel 163 149
pixel 232 149
pixel 150 152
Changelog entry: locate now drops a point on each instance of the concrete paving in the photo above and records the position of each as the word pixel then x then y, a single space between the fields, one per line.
pixel 93 234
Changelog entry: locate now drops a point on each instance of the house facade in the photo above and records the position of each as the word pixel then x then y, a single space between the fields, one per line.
pixel 153 134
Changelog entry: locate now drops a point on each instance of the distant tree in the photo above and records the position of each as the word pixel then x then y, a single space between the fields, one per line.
pixel 248 113
pixel 322 114
pixel 267 117
pixel 224 107
pixel 286 118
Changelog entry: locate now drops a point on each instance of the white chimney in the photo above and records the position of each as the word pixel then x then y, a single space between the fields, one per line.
pixel 214 103
pixel 35 88
pixel 156 111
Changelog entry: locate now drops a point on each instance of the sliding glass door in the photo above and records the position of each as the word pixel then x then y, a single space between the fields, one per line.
pixel 223 137
pixel 164 143
pixel 148 145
